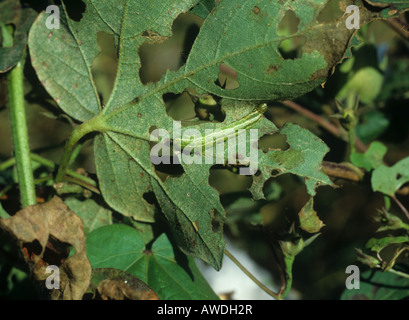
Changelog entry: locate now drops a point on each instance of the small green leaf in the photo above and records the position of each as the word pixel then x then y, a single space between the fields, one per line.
pixel 377 245
pixel 163 268
pixel 389 179
pixel 390 222
pixel 309 220
pixel 367 259
pixel 303 158
pixel 372 158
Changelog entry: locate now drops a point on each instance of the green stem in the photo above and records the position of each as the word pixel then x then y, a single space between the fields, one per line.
pixel 78 178
pixel 95 124
pixel 289 261
pixel 20 136
pixel 401 206
pixel 7 164
pixel 351 134
pixel 251 276
pixel 75 153
pixel 399 273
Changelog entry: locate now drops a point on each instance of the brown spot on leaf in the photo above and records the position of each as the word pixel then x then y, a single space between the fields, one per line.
pixel 272 68
pixel 256 10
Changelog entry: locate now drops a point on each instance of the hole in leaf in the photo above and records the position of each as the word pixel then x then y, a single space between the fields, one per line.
pixel 192 107
pixel 56 251
pixel 191 34
pixel 272 190
pixel 104 66
pixel 288 25
pixel 227 179
pixel 32 249
pixel 273 142
pixel 217 220
pixel 227 78
pixel 292 48
pixel 398 176
pixel 169 170
pixel 75 9
pixel 275 172
pixel 272 68
pixel 330 12
pixel 163 158
pixel 11 29
pixel 179 106
pixel 159 54
pixel 149 197
pixel 39 5
pixel 405 185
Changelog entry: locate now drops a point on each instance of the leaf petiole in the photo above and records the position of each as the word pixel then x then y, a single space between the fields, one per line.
pixel 252 277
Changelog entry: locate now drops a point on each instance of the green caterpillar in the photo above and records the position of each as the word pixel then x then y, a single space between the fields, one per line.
pixel 225 132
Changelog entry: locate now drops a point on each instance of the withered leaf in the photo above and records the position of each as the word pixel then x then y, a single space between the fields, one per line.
pixel 45 233
pixel 115 284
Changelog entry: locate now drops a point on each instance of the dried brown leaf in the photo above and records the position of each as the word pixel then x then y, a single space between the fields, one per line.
pixel 45 232
pixel 119 290
pixel 115 284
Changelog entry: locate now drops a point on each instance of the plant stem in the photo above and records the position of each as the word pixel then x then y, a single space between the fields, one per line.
pixel 20 136
pixel 95 124
pixel 7 164
pixel 78 178
pixel 251 276
pixel 399 273
pixel 401 206
pixel 351 134
pixel 324 123
pixel 75 153
pixel 289 261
